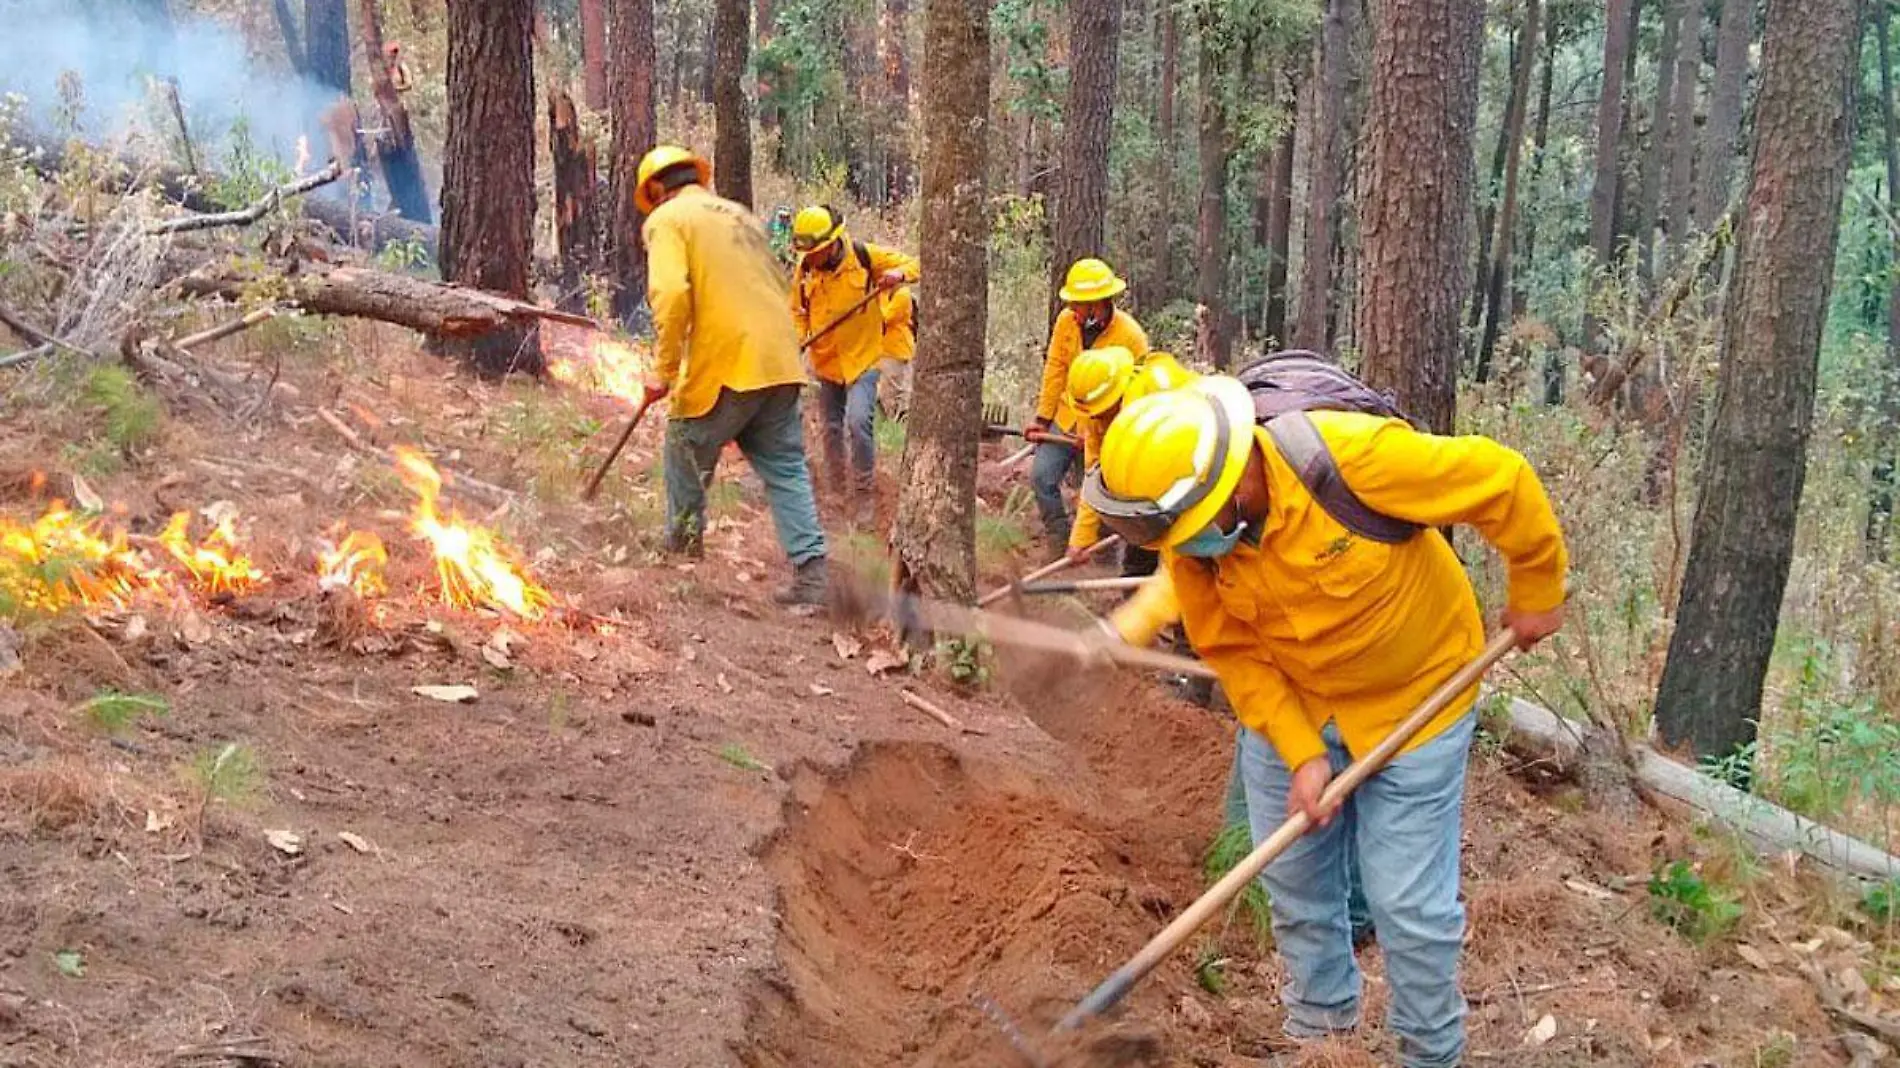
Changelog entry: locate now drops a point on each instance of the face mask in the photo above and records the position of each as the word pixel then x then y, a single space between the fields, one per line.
pixel 1211 542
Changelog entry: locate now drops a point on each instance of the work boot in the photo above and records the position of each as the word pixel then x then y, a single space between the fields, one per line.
pixel 811 584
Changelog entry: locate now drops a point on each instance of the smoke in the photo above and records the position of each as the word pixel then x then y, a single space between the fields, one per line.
pixel 114 58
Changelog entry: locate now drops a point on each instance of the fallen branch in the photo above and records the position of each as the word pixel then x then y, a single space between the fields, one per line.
pixel 930 709
pixel 32 333
pixel 432 308
pixel 224 330
pixel 25 356
pixel 258 209
pixel 487 489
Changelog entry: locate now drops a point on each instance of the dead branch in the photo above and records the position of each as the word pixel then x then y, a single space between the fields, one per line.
pixel 43 342
pixel 432 308
pixel 1631 358
pixel 224 330
pixel 480 488
pixel 258 209
pixel 930 709
pixel 25 356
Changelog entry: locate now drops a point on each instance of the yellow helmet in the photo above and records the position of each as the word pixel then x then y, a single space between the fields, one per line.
pixel 1091 280
pixel 1157 373
pixel 1170 461
pixel 660 160
pixel 815 228
pixel 1097 378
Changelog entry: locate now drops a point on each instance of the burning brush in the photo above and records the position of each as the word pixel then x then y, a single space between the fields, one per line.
pixel 615 370
pixel 216 565
pixel 64 560
pixel 474 566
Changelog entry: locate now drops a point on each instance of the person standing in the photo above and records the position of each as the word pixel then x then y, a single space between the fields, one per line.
pixel 1089 321
pixel 728 357
pixel 836 290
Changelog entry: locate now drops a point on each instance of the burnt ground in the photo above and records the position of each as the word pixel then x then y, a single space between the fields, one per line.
pixel 679 827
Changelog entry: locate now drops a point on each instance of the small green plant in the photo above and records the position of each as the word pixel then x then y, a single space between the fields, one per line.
pixel 1229 848
pixel 113 713
pixel 1681 898
pixel 997 538
pixel 71 963
pixel 1210 969
pixel 1777 1052
pixel 1737 769
pixel 229 774
pixel 131 416
pixel 403 254
pixel 965 660
pixel 1882 900
pixel 890 435
pixel 735 754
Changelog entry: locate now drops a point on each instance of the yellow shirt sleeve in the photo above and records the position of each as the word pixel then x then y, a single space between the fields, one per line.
pixel 887 259
pixel 670 295
pixel 801 315
pixel 1440 481
pixel 1087 528
pixel 1266 702
pixel 1064 342
pixel 1140 619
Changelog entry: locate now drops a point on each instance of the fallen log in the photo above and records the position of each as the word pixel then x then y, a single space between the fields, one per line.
pixel 1543 735
pixel 433 308
pixel 258 208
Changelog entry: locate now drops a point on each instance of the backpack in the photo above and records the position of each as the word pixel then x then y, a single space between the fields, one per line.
pixel 1285 386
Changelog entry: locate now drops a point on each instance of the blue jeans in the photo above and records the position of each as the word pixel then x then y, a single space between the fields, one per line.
pixel 1403 824
pixel 766 425
pixel 850 413
pixel 1052 464
pixel 1234 810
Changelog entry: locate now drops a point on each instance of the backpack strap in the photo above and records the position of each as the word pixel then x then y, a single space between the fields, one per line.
pixel 1306 452
pixel 864 260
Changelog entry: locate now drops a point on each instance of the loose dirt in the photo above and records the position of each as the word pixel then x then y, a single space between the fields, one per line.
pixel 680 827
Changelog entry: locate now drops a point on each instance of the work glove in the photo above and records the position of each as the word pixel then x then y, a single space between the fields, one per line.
pixel 655 388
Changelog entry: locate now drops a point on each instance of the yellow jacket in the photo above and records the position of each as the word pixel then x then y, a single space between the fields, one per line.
pixel 1314 623
pixel 714 290
pixel 1087 528
pixel 900 332
pixel 1065 341
pixel 819 297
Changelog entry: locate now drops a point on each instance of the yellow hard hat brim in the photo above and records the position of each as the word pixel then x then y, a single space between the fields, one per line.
pixel 1237 403
pixel 643 201
pixel 1109 291
pixel 1103 403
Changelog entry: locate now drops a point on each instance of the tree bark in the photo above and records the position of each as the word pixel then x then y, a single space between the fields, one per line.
pixel 396 145
pixel 1280 225
pixel 1493 189
pixel 1743 534
pixel 1413 221
pixel 935 534
pixel 1553 359
pixel 732 116
pixel 594 54
pixel 1497 310
pixel 1887 421
pixel 488 168
pixel 1682 137
pixel 1325 176
pixel 432 308
pixel 635 128
pixel 327 36
pixel 1722 136
pixel 1157 282
pixel 1210 276
pixel 575 228
pixel 1655 153
pixel 293 37
pixel 1082 181
pixel 900 173
pixel 1616 48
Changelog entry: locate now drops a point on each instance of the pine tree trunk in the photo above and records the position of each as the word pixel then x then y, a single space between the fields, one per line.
pixel 732 118
pixel 1655 153
pixel 327 39
pixel 396 145
pixel 1616 50
pixel 488 168
pixel 293 38
pixel 1742 540
pixel 1280 224
pixel 1682 139
pixel 1497 310
pixel 1082 182
pixel 1721 138
pixel 763 24
pixel 575 227
pixel 1414 215
pixel 935 534
pixel 899 173
pixel 1540 138
pixel 1493 189
pixel 857 130
pixel 1325 176
pixel 1887 425
pixel 594 54
pixel 1157 281
pixel 635 128
pixel 1210 276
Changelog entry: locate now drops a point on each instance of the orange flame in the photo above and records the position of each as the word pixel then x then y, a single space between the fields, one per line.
pixel 61 560
pixel 215 564
pixel 614 369
pixel 474 565
pixel 355 563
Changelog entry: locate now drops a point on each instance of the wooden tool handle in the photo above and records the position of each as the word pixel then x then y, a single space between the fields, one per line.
pixel 1204 908
pixel 1060 564
pixel 593 484
pixel 840 320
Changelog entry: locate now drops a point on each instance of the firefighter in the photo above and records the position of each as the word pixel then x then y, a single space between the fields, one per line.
pixel 900 344
pixel 398 70
pixel 728 358
pixel 1090 321
pixel 1101 381
pixel 834 276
